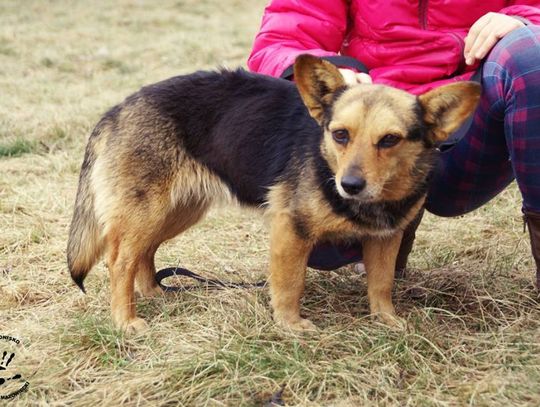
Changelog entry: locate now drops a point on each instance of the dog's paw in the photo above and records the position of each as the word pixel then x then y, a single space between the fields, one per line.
pixel 134 326
pixel 392 321
pixel 297 324
pixel 303 325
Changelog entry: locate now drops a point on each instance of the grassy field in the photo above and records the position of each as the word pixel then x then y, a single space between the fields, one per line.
pixel 473 335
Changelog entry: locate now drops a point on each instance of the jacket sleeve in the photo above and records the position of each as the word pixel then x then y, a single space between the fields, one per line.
pixel 529 10
pixel 293 27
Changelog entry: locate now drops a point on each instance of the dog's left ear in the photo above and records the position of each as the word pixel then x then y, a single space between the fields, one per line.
pixel 317 80
pixel 447 107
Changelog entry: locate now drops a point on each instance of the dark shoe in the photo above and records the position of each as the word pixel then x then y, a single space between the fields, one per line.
pixel 407 244
pixel 532 219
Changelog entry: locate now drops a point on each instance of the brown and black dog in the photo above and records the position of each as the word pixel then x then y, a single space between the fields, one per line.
pixel 156 163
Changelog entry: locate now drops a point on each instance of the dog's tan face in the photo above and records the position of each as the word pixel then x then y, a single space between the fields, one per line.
pixel 375 136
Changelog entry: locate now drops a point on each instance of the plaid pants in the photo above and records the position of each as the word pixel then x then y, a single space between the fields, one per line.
pixel 503 141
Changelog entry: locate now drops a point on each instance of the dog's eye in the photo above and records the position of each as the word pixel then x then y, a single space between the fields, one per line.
pixel 341 136
pixel 390 140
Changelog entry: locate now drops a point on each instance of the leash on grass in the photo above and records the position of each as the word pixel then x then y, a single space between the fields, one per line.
pixel 208 282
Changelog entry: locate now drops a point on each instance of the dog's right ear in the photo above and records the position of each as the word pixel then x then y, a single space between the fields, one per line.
pixel 447 107
pixel 317 80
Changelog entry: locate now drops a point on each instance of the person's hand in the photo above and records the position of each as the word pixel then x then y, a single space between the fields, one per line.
pixel 486 32
pixel 352 78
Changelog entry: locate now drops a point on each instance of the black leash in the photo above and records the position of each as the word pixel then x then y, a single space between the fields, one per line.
pixel 208 282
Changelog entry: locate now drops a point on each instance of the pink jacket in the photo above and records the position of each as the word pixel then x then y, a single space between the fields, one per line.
pixel 410 45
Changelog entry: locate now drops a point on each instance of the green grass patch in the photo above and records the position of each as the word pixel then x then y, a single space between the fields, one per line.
pixel 119 66
pixel 98 336
pixel 16 147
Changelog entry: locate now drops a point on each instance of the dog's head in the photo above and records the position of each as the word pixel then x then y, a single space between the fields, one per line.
pixel 378 140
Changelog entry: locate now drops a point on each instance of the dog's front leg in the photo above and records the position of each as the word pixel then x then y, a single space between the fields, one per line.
pixel 288 261
pixel 379 256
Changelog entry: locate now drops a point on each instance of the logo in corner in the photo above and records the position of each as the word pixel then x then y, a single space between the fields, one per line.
pixel 11 381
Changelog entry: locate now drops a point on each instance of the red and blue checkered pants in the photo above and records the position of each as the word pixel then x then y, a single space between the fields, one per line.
pixel 502 143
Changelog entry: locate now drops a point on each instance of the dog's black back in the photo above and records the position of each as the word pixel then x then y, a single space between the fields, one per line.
pixel 224 112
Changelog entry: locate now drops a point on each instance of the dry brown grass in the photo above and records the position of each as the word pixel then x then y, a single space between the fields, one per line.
pixel 474 330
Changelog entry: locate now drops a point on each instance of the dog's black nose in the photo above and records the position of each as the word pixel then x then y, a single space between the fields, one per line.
pixel 353 185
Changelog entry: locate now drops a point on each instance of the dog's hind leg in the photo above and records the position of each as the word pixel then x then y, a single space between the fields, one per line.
pixel 141 219
pixel 125 250
pixel 145 282
pixel 131 244
pixel 179 220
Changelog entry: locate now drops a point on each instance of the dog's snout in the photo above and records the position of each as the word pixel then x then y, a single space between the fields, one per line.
pixel 353 185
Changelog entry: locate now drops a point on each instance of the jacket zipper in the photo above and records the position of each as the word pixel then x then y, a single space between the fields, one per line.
pixel 422 13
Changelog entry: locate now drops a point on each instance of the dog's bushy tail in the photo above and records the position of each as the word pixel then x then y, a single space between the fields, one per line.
pixel 85 245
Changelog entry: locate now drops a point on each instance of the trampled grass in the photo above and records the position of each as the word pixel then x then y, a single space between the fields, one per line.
pixel 473 335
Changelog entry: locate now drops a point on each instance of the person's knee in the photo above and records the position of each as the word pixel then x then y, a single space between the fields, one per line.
pixel 518 51
pixel 447 210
